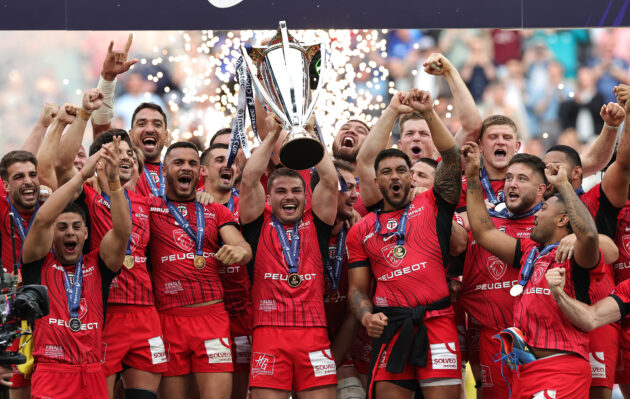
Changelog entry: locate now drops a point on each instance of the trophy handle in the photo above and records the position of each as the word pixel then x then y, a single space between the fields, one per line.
pixel 260 90
pixel 295 117
pixel 322 70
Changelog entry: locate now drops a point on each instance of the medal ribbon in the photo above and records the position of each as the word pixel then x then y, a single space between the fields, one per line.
pixel 579 191
pixel 157 192
pixel 245 105
pixel 19 222
pixel 291 250
pixel 230 204
pixel 402 227
pixel 334 270
pixel 181 220
pixel 487 187
pixel 533 256
pixel 73 289
pixel 505 214
pixel 107 199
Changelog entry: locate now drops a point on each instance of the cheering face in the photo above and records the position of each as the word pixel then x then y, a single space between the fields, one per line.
pixel 181 169
pixel 348 141
pixel 126 162
pixel 415 140
pixel 69 237
pixel 80 159
pixel 498 146
pixel 287 199
pixel 346 200
pixel 523 189
pixel 22 185
pixel 220 177
pixel 546 220
pixel 559 157
pixel 422 175
pixel 393 179
pixel 149 133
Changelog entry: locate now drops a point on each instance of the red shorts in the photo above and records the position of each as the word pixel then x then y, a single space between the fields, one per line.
pixel 443 360
pixel 59 381
pixel 563 376
pixel 18 379
pixel 622 375
pixel 241 334
pixel 197 340
pixel 494 384
pixel 361 351
pixel 291 358
pixel 603 347
pixel 460 323
pixel 473 329
pixel 133 336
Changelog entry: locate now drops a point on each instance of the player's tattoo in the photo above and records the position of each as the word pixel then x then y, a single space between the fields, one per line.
pixel 360 303
pixel 448 178
pixel 580 218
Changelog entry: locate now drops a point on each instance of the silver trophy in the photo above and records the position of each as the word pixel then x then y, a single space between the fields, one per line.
pixel 286 76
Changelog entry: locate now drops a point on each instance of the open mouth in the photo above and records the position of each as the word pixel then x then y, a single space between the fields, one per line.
pixel 226 175
pixel 289 209
pixel 28 194
pixel 500 155
pixel 70 246
pixel 347 142
pixel 184 182
pixel 416 150
pixel 149 143
pixel 396 188
pixel 125 166
pixel 513 196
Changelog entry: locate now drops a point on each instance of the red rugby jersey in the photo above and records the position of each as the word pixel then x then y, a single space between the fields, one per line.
pixel 133 286
pixel 53 340
pixel 497 186
pixel 487 280
pixel 622 239
pixel 5 234
pixel 176 281
pixel 99 219
pixel 537 314
pixel 142 187
pixel 335 301
pixel 419 278
pixel 621 294
pixel 275 302
pixel 236 285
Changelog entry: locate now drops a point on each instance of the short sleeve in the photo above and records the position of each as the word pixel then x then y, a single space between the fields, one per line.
pixel 357 257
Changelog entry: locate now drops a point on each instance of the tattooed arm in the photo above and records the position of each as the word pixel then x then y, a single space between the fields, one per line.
pixel 586 252
pixel 484 231
pixel 358 287
pixel 448 182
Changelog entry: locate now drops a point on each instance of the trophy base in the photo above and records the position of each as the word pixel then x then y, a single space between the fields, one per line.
pixel 301 152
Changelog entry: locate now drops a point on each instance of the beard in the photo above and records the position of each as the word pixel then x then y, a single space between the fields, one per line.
pixel 526 201
pixel 393 201
pixel 345 153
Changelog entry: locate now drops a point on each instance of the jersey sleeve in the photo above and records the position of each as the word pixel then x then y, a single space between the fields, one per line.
pixel 621 295
pixel 606 214
pixel 32 272
pixel 357 257
pixel 225 217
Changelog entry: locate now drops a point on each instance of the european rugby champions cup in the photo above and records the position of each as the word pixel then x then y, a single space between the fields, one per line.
pixel 286 76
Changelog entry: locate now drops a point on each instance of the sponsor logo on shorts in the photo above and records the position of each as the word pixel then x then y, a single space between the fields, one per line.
pixel 173 287
pixel 262 364
pixel 218 350
pixel 444 356
pixel 496 267
pixel 486 377
pixel 158 354
pixel 268 305
pixel 598 365
pixel 323 363
pixel 54 351
pixel 243 349
pixel 382 362
pixel 545 394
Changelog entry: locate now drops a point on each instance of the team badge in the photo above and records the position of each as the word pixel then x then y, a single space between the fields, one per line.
pixel 182 240
pixel 183 210
pixel 391 224
pixel 496 267
pixel 626 243
pixel 388 254
pixel 539 271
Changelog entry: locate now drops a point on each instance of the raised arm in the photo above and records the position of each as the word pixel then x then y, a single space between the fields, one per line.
pixel 325 194
pixel 465 105
pixel 115 63
pixel 448 182
pixel 376 141
pixel 47 153
pixel 252 194
pixel 481 225
pixel 46 117
pixel 581 315
pixel 71 141
pixel 114 243
pixel 599 153
pixel 39 238
pixel 586 252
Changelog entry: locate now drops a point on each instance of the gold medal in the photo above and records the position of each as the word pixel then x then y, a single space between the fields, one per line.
pixel 294 280
pixel 399 251
pixel 200 262
pixel 128 262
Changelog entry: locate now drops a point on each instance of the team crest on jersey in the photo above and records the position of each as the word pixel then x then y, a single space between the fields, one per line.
pixel 182 240
pixel 388 253
pixel 626 243
pixel 183 210
pixel 391 224
pixel 539 271
pixel 83 309
pixel 135 239
pixel 496 267
pixel 545 394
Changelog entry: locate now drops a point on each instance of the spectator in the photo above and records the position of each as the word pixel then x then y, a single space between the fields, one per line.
pixel 478 70
pixel 582 111
pixel 608 69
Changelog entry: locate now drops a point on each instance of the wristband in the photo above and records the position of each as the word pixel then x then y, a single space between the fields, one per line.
pixel 607 126
pixel 105 114
pixel 85 115
pixel 114 185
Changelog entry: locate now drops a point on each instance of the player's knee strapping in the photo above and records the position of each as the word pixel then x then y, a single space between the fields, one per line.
pixel 350 388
